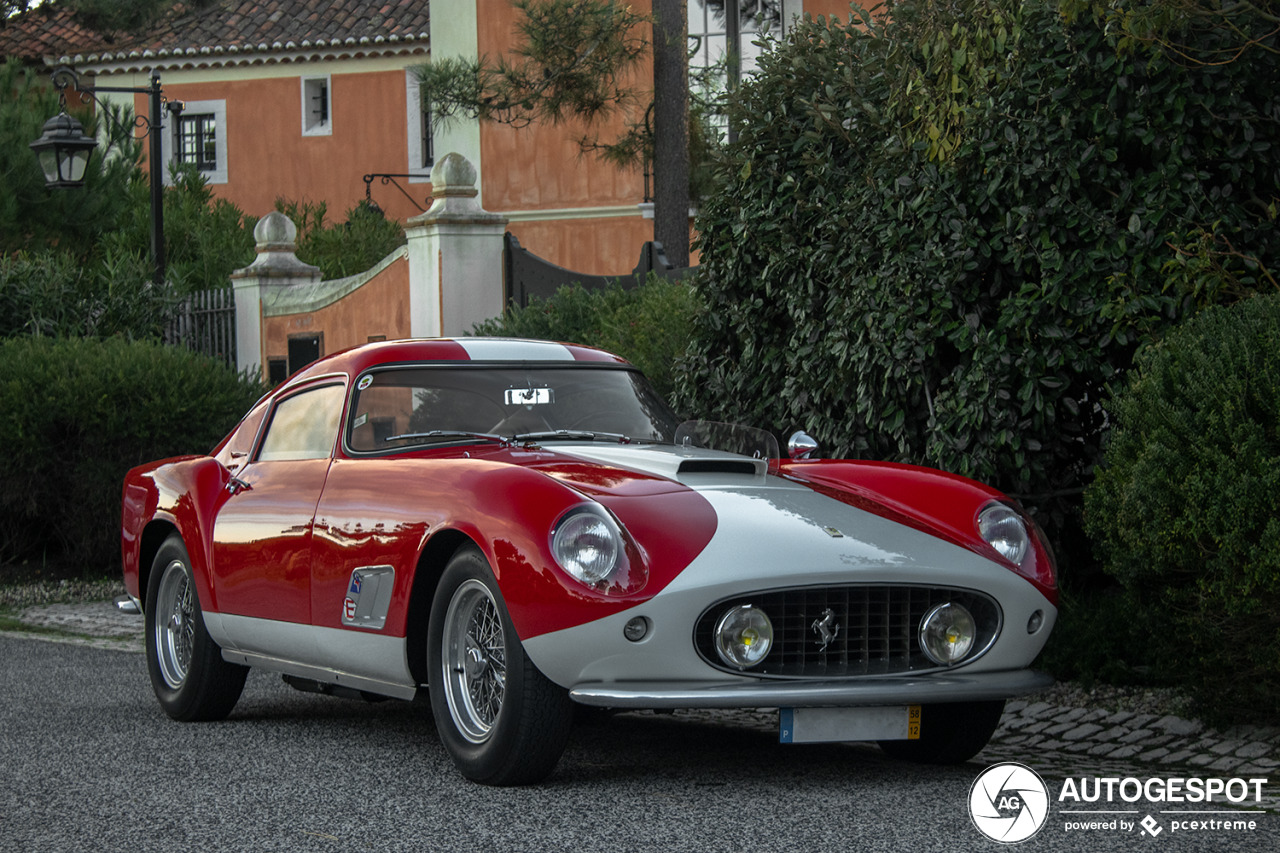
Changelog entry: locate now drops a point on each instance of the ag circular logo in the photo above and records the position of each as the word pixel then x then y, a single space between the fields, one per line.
pixel 1009 802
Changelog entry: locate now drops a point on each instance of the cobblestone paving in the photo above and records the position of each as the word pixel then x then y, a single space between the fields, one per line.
pixel 1051 738
pixel 1094 741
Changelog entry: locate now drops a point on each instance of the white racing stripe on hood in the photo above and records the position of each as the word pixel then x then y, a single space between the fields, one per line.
pixel 664 460
pixel 779 532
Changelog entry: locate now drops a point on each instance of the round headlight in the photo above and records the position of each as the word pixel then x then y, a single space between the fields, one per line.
pixel 1003 529
pixel 586 544
pixel 947 633
pixel 744 636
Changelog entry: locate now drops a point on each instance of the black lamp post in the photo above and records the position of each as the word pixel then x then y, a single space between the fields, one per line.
pixel 64 150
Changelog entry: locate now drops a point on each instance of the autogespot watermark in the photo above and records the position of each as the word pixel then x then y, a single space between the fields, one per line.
pixel 1010 803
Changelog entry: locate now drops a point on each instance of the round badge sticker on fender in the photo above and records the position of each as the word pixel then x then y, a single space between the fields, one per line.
pixel 1009 802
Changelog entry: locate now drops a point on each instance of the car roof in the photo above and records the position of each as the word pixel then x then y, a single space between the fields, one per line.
pixel 451 351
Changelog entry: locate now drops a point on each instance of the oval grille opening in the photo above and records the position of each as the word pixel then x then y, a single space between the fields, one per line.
pixel 849 631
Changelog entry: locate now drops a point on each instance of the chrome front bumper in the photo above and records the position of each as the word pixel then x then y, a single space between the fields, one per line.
pixel 898 690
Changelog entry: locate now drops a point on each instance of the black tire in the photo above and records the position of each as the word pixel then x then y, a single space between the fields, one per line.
pixel 188 674
pixel 501 720
pixel 949 733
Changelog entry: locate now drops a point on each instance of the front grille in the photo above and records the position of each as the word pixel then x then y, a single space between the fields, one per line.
pixel 878 629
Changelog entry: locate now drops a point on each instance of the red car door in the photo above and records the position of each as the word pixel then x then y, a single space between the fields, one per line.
pixel 263 532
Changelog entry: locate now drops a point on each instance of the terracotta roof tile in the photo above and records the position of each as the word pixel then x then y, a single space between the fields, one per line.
pixel 240 24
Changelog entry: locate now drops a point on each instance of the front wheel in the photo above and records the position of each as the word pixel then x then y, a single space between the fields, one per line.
pixel 950 733
pixel 188 674
pixel 501 720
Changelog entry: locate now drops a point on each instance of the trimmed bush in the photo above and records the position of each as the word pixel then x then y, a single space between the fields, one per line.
pixel 78 415
pixel 1187 507
pixel 649 325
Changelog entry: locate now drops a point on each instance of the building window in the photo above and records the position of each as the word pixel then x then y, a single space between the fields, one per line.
pixel 710 65
pixel 421 144
pixel 198 141
pixel 200 138
pixel 316 107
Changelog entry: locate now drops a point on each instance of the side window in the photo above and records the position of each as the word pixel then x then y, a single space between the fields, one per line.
pixel 240 444
pixel 304 426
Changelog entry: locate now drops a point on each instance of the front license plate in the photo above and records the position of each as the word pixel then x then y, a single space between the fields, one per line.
pixel 823 725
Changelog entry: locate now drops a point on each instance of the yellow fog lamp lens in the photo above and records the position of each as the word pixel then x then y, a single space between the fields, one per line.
pixel 947 633
pixel 744 636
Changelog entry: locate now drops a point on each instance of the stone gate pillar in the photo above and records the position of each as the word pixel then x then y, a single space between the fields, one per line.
pixel 455 255
pixel 275 266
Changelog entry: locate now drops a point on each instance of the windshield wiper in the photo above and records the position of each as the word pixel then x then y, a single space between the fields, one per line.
pixel 446 433
pixel 572 435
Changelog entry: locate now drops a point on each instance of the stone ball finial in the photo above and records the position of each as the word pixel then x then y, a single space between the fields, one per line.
pixel 275 231
pixel 453 175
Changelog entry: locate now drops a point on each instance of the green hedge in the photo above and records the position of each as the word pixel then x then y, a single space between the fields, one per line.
pixel 78 415
pixel 648 325
pixel 938 239
pixel 1187 507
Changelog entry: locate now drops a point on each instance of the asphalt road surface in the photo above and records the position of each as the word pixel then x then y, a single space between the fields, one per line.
pixel 89 763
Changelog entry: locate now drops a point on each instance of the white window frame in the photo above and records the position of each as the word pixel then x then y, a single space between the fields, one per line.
pixel 218 109
pixel 312 124
pixel 413 114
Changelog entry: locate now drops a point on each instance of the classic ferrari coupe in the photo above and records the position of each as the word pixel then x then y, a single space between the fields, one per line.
pixel 516 528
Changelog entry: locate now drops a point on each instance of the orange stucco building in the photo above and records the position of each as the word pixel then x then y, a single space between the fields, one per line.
pixel 301 99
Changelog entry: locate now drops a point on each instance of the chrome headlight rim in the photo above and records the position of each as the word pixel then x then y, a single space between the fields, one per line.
pixel 587 545
pixel 1006 531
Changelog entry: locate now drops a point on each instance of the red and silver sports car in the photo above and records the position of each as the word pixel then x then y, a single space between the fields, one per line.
pixel 519 527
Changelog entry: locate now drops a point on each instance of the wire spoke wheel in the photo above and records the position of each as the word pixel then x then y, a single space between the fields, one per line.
pixel 174 625
pixel 187 671
pixel 500 719
pixel 475 661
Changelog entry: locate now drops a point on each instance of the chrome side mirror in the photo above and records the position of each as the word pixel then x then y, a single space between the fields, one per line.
pixel 801 445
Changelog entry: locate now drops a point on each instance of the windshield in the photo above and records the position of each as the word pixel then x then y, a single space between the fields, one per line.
pixel 400 407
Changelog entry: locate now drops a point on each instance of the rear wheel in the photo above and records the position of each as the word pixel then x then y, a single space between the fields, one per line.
pixel 187 671
pixel 950 733
pixel 501 720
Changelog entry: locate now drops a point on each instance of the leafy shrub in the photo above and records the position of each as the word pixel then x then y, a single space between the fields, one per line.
pixel 206 238
pixel 648 326
pixel 53 294
pixel 1187 507
pixel 938 238
pixel 78 415
pixel 344 248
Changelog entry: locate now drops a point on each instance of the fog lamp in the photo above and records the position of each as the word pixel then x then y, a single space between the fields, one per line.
pixel 744 636
pixel 947 633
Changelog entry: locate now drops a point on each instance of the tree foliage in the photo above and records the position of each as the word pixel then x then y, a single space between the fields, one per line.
pixel 572 61
pixel 341 249
pixel 940 236
pixel 1238 25
pixel 33 217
